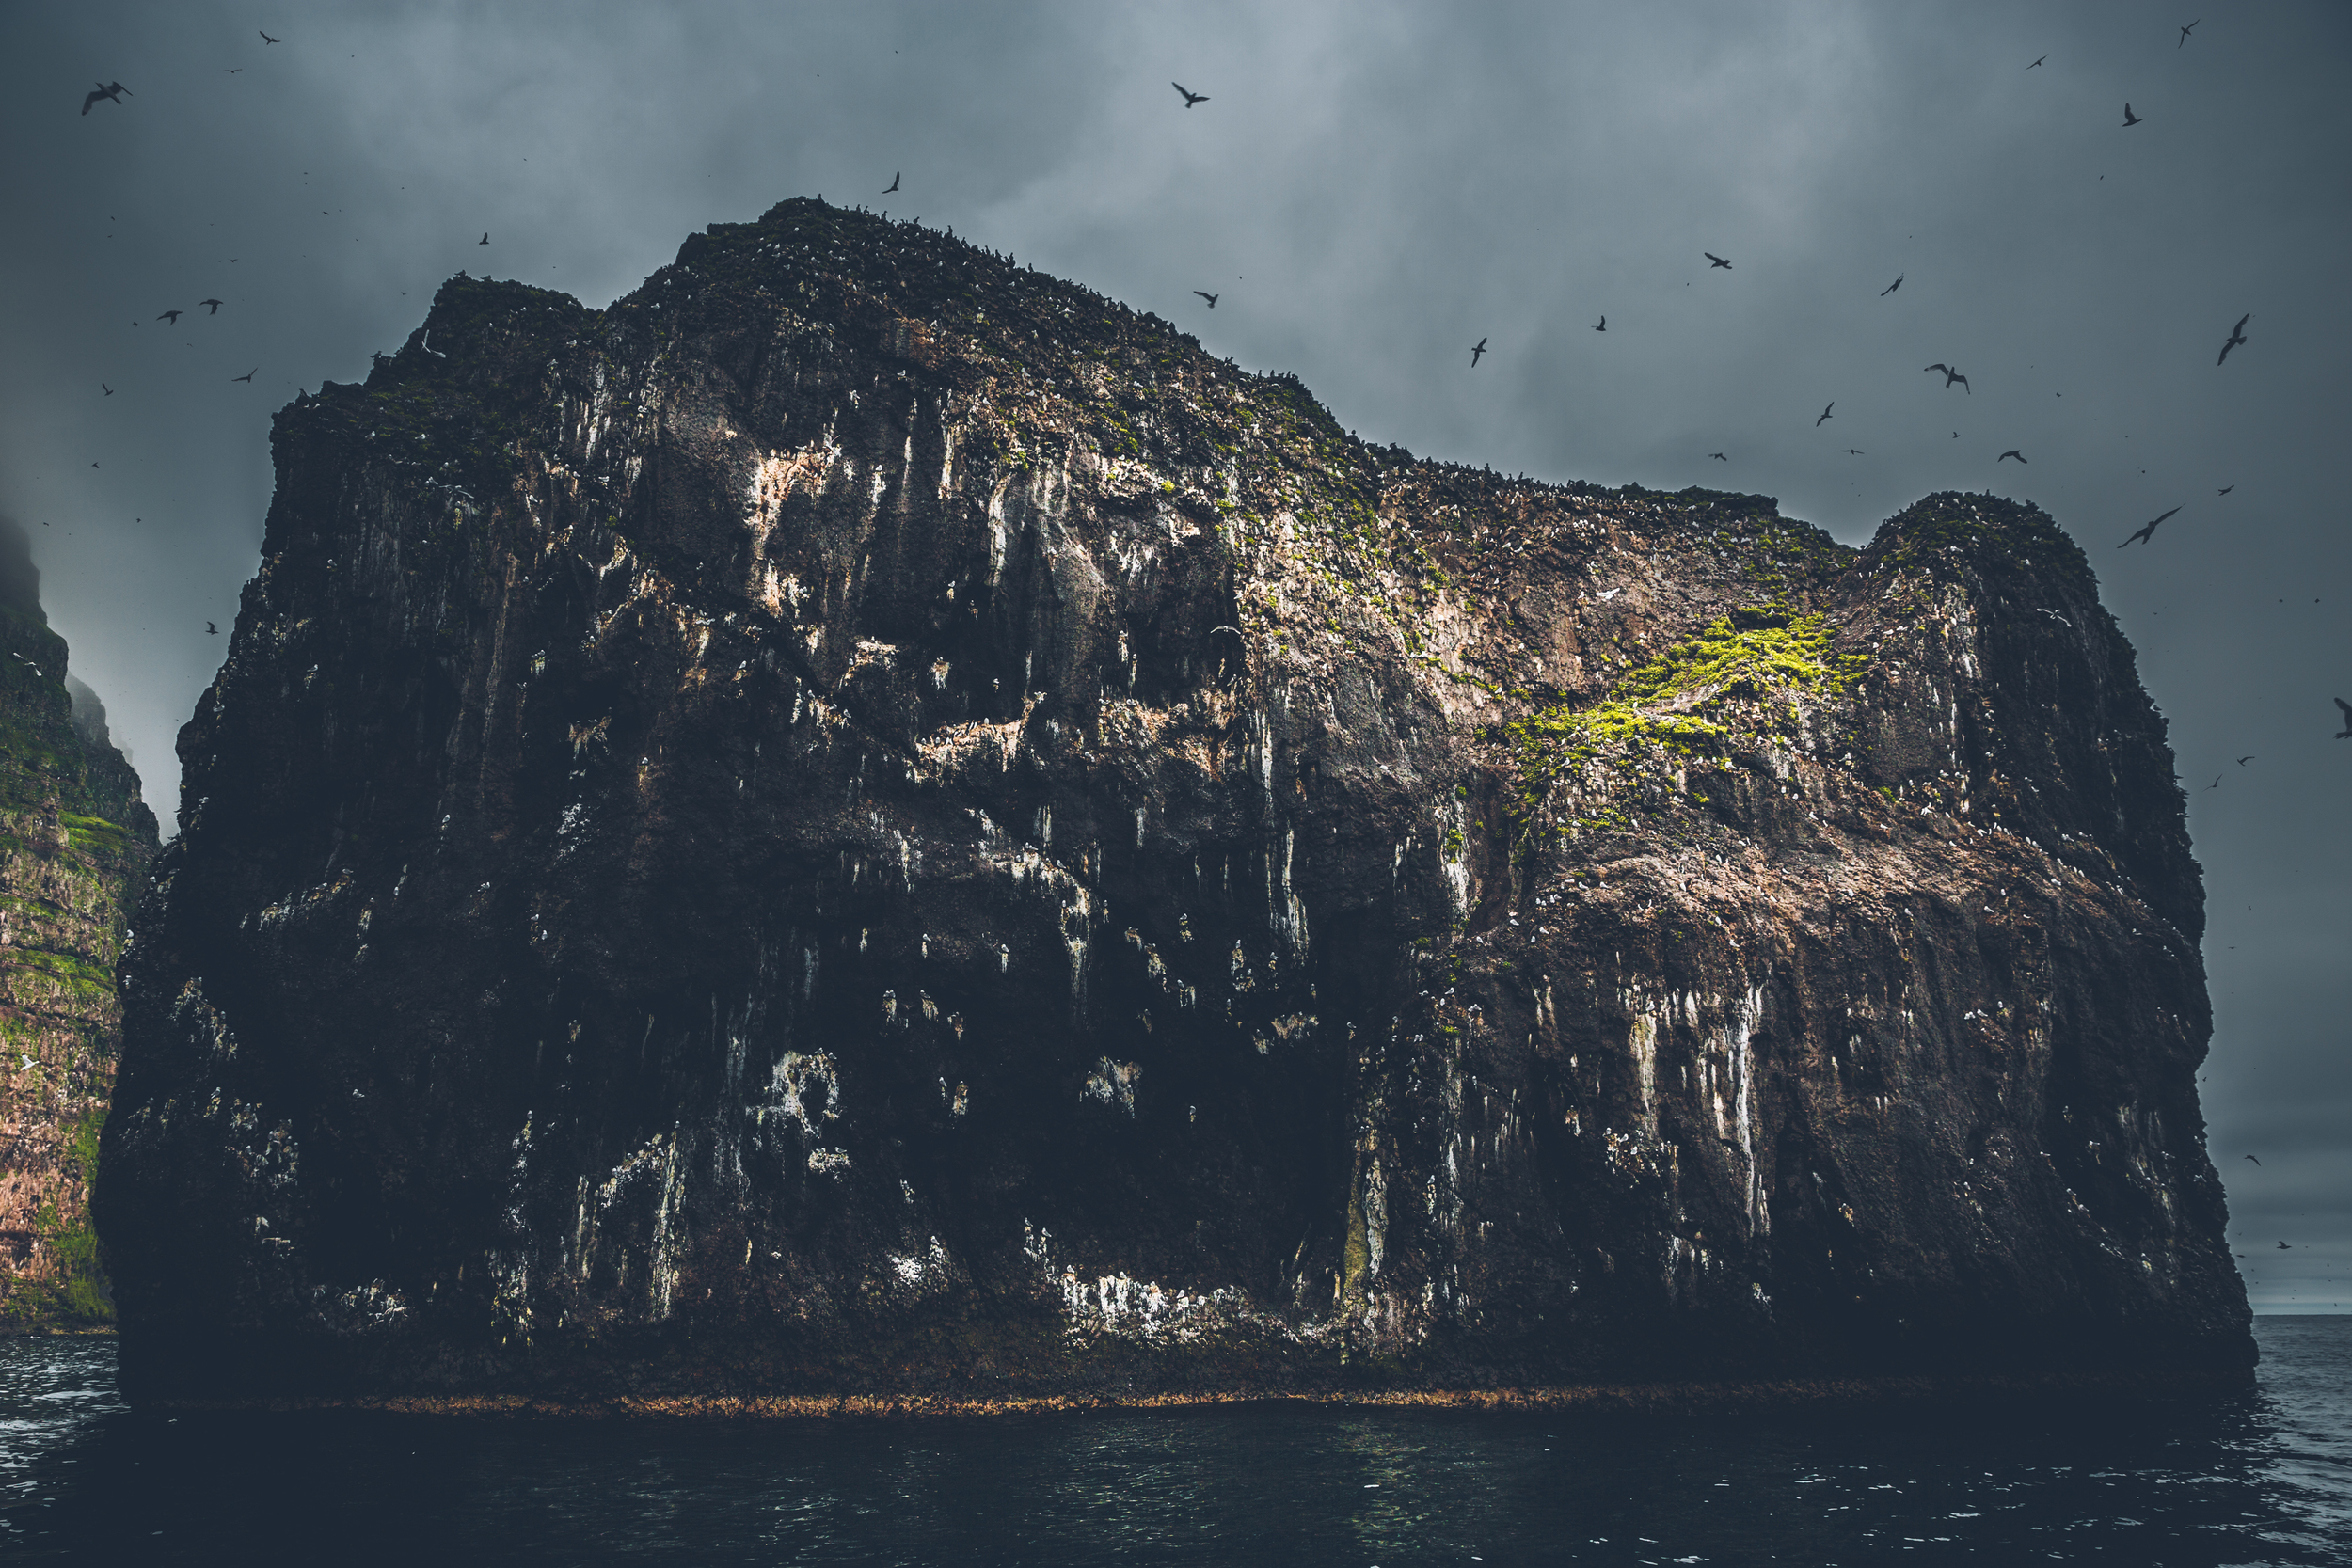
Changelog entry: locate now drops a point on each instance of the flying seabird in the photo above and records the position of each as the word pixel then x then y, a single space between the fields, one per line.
pixel 211 630
pixel 1817 425
pixel 2147 534
pixel 1476 351
pixel 1717 260
pixel 171 316
pixel 2346 735
pixel 214 303
pixel 108 391
pixel 486 238
pixel 2217 782
pixel 1892 287
pixel 894 181
pixel 2225 490
pixel 2038 62
pixel 1951 375
pixel 1718 457
pixel 2251 1157
pixel 1852 452
pixel 1210 297
pixel 2237 335
pixel 110 90
pixel 2012 453
pixel 2243 761
pixel 265 38
pixel 2283 1247
pixel 1190 97
pixel 2186 31
pixel 247 376
pixel 2130 120
pixel 1603 326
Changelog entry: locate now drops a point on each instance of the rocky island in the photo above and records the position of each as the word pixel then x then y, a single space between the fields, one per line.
pixel 868 824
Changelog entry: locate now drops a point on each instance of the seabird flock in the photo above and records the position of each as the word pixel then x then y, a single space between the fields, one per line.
pixel 115 92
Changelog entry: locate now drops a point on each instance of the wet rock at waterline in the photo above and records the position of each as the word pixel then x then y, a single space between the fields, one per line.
pixel 868 821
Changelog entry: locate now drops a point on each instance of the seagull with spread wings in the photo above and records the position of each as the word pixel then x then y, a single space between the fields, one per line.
pixel 1477 352
pixel 1817 425
pixel 1717 260
pixel 2237 335
pixel 1951 375
pixel 1210 297
pixel 111 91
pixel 2148 534
pixel 1892 287
pixel 1190 97
pixel 2130 120
pixel 2012 453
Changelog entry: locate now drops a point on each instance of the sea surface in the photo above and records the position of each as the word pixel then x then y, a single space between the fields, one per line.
pixel 2263 1477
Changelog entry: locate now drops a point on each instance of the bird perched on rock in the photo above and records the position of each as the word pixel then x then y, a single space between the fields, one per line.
pixel 2237 335
pixel 1951 375
pixel 1190 97
pixel 2147 534
pixel 2130 120
pixel 1210 297
pixel 2012 453
pixel 1477 352
pixel 112 91
pixel 1717 260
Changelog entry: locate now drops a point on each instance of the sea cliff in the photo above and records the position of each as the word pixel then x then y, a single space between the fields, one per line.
pixel 868 823
pixel 75 841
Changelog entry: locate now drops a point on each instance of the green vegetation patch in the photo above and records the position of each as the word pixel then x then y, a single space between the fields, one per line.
pixel 1742 673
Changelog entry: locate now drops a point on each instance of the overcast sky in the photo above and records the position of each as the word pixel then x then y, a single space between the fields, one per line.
pixel 1370 189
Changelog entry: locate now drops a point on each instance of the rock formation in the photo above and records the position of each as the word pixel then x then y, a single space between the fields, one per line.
pixel 865 821
pixel 74 844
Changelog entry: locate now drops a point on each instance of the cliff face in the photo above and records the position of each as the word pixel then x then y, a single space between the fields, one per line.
pixel 75 841
pixel 869 821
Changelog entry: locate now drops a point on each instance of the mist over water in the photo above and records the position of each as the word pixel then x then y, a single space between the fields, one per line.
pixel 2262 1476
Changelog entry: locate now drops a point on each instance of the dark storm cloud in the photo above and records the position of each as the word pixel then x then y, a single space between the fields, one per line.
pixel 1371 190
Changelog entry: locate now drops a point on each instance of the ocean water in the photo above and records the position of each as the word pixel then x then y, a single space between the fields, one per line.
pixel 2263 1477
